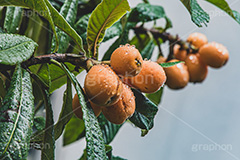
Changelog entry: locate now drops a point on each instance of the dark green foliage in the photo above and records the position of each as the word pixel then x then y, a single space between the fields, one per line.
pixel 155 97
pixel 16 117
pixel 69 12
pixel 13 19
pixel 198 15
pixel 15 48
pixel 109 129
pixel 145 111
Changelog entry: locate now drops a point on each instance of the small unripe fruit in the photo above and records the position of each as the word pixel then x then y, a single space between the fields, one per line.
pixel 77 108
pixel 150 79
pixel 196 68
pixel 177 75
pixel 179 54
pixel 126 61
pixel 197 39
pixel 102 85
pixel 123 109
pixel 214 54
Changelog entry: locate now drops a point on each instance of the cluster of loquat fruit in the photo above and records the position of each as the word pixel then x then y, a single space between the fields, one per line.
pixel 196 64
pixel 107 86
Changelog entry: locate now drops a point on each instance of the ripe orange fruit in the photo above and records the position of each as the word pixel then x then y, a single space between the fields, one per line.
pixel 150 79
pixel 197 39
pixel 123 109
pixel 77 108
pixel 177 75
pixel 126 61
pixel 214 54
pixel 196 68
pixel 102 85
pixel 161 59
pixel 179 54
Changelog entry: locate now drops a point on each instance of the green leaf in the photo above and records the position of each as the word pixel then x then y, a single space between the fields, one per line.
pixel 117 158
pixel 81 27
pixel 69 12
pixel 13 19
pixel 95 144
pixel 155 97
pixel 104 16
pixel 140 41
pixel 66 113
pixel 145 112
pixel 236 15
pixel 145 12
pixel 73 130
pixel 16 117
pixel 198 15
pixel 170 64
pixel 113 31
pixel 123 39
pixel 39 6
pixel 48 145
pixel 63 119
pixel 109 129
pixel 61 23
pixel 39 123
pixel 15 49
pixel 223 5
pixel 57 75
pixel 148 50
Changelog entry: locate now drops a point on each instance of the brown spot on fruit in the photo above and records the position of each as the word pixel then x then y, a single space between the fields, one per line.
pixel 150 79
pixel 214 54
pixel 126 61
pixel 177 75
pixel 102 85
pixel 123 109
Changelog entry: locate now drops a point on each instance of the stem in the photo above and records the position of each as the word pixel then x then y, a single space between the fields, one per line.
pixel 165 36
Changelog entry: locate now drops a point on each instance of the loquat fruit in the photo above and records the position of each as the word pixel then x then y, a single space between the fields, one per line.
pixel 196 68
pixel 177 75
pixel 126 61
pixel 102 86
pixel 161 59
pixel 123 109
pixel 150 79
pixel 179 54
pixel 197 39
pixel 214 54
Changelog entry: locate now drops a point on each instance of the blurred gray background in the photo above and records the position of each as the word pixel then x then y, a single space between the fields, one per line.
pixel 198 122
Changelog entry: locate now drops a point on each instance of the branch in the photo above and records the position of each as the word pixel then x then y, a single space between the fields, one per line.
pixel 79 61
pixel 165 36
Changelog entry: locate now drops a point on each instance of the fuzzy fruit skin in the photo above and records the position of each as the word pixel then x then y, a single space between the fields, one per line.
pixel 126 61
pixel 196 68
pixel 177 75
pixel 102 85
pixel 150 79
pixel 77 108
pixel 123 109
pixel 214 54
pixel 179 54
pixel 197 39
